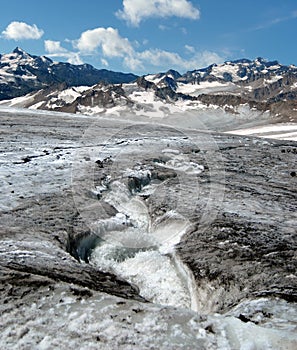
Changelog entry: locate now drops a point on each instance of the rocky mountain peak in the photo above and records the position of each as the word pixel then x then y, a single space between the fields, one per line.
pixel 173 74
pixel 19 51
pixel 21 54
pixel 261 60
pixel 22 73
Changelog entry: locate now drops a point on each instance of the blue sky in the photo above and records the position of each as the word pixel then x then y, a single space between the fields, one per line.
pixel 144 36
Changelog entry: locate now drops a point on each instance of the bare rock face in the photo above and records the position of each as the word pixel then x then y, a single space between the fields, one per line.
pixel 259 88
pixel 30 73
pixel 228 202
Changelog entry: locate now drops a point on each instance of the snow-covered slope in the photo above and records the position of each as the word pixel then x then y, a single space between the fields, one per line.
pixel 272 131
pixel 21 73
pixel 234 95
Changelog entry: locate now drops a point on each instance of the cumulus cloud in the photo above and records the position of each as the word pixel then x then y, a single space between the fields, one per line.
pixel 108 39
pixel 166 59
pixel 54 49
pixel 158 57
pixel 134 62
pixel 203 59
pixel 53 46
pixel 134 11
pixel 74 58
pixel 20 31
pixel 108 44
pixel 113 45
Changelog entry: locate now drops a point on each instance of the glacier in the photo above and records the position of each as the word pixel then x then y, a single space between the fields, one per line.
pixel 173 259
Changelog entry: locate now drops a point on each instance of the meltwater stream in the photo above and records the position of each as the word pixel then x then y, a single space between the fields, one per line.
pixel 143 253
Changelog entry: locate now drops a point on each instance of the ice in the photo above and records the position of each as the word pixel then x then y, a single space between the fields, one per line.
pixel 274 79
pixel 17 102
pixel 203 87
pixel 100 321
pixel 248 336
pixel 271 131
pixel 69 95
pixel 180 163
pixel 57 317
pixel 152 78
pixel 219 71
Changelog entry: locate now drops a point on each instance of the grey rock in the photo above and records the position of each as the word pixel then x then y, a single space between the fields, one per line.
pixel 43 73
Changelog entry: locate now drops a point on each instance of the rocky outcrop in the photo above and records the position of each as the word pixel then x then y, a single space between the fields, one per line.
pixel 104 96
pixel 262 85
pixel 28 73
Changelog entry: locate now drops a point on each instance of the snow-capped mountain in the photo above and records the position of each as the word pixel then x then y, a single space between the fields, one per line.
pixel 222 97
pixel 22 73
pixel 123 234
pixel 258 79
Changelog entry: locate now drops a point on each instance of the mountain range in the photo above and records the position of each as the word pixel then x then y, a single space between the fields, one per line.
pixel 254 88
pixel 135 228
pixel 21 73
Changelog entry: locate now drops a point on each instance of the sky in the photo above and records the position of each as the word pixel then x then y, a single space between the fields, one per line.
pixel 149 36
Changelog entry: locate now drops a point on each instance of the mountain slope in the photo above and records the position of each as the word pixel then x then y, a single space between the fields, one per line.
pixel 22 73
pixel 232 95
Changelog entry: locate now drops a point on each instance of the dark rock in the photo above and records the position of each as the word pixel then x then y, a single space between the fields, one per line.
pixel 46 73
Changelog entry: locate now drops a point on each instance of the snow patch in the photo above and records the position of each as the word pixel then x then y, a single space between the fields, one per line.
pixel 274 131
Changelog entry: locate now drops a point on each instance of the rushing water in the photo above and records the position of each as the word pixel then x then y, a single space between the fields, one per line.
pixel 144 255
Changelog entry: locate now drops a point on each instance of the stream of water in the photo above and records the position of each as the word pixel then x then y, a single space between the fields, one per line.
pixel 144 254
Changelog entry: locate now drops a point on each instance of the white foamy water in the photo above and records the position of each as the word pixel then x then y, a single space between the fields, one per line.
pixel 143 253
pixel 155 274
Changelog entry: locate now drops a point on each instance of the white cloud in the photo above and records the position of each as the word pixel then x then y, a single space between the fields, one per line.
pixel 54 49
pixel 20 30
pixel 166 59
pixel 108 39
pixel 113 45
pixel 134 63
pixel 162 27
pixel 53 46
pixel 203 59
pixel 189 48
pixel 158 57
pixel 74 58
pixel 108 44
pixel 134 11
pixel 273 22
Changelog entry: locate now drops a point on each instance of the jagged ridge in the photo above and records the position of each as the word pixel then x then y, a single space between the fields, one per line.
pixel 260 84
pixel 22 73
